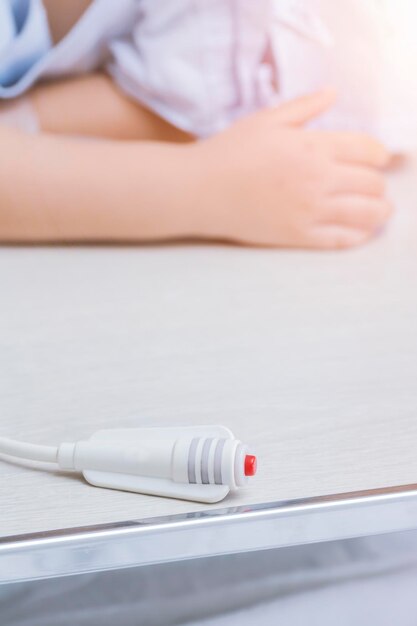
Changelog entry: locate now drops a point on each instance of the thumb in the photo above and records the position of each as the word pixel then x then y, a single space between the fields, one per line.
pixel 304 109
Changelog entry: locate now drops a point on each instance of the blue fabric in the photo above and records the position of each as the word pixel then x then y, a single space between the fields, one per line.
pixel 24 40
pixel 27 53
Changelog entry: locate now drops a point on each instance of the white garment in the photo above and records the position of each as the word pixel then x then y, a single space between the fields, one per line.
pixel 201 64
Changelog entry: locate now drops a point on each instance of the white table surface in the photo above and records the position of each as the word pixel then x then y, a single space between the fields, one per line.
pixel 310 357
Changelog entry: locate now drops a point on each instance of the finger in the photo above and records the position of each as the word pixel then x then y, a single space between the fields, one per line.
pixel 352 179
pixel 337 238
pixel 359 148
pixel 361 212
pixel 301 110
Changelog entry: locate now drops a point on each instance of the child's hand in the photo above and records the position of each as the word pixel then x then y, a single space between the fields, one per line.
pixel 272 183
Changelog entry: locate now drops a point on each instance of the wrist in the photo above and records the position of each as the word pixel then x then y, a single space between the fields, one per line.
pixel 202 196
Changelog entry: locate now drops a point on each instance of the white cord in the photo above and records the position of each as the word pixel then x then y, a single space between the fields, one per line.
pixel 198 463
pixel 28 451
pixel 195 460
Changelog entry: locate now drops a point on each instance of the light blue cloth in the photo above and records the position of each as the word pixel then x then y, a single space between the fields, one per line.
pixel 24 40
pixel 26 50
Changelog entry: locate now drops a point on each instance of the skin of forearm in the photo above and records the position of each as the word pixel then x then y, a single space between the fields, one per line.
pixel 62 189
pixel 92 105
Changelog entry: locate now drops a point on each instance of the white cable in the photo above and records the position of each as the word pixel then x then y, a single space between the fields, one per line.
pixel 169 458
pixel 200 463
pixel 28 451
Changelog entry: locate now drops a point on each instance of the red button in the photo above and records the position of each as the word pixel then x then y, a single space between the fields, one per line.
pixel 250 465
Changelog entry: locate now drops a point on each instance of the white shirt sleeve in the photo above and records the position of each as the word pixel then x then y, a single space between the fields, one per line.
pixel 368 59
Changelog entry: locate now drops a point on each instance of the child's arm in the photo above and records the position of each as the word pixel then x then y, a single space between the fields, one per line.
pixel 92 105
pixel 66 189
pixel 263 182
